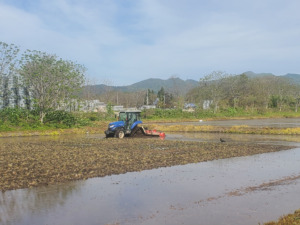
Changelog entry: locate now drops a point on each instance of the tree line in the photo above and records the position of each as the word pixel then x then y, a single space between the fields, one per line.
pixel 224 91
pixel 161 99
pixel 219 91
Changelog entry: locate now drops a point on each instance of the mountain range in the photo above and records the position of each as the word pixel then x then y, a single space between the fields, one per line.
pixel 175 85
pixel 170 85
pixel 294 78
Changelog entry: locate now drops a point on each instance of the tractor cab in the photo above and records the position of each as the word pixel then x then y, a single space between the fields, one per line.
pixel 129 118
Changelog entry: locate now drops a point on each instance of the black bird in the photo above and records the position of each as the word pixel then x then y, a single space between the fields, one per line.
pixel 222 140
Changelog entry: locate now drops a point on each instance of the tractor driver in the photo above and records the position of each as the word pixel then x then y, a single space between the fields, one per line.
pixel 122 117
pixel 130 120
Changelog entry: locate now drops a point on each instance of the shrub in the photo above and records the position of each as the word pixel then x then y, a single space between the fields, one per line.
pixel 60 118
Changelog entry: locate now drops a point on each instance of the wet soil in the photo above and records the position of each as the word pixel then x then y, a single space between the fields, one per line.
pixel 293 140
pixel 240 190
pixel 36 162
pixel 254 123
pixel 283 126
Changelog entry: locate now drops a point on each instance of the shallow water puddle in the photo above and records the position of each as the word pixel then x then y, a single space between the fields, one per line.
pixel 272 122
pixel 293 140
pixel 243 190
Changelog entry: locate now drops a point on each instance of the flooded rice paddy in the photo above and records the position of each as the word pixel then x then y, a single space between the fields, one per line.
pixel 241 190
pixel 271 123
pixel 293 140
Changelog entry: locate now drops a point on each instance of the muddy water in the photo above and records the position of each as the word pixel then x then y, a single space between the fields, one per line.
pixel 293 140
pixel 275 123
pixel 244 190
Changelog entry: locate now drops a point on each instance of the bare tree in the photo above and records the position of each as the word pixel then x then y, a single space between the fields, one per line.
pixel 89 91
pixel 296 94
pixel 212 87
pixel 264 89
pixel 108 91
pixel 175 86
pixel 236 88
pixel 282 87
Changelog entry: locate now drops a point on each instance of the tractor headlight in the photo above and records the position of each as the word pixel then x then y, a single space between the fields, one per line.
pixel 111 126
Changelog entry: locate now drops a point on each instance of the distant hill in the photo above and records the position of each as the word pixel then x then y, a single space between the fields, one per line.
pixel 174 85
pixel 252 74
pixel 294 78
pixel 171 85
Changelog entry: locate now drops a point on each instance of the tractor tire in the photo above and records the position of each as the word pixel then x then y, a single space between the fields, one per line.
pixel 135 131
pixel 109 135
pixel 120 134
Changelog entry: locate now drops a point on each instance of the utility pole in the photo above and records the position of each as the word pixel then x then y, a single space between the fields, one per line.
pixel 147 96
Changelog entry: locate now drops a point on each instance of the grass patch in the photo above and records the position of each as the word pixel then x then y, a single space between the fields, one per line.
pixel 290 219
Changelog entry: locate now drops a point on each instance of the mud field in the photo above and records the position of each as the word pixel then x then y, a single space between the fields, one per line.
pixel 35 162
pixel 44 179
pixel 247 190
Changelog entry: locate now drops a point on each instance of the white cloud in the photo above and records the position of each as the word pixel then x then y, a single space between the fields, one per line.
pixel 128 41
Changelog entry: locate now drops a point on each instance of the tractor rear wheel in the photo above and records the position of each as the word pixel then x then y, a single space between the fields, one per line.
pixel 135 131
pixel 120 134
pixel 109 135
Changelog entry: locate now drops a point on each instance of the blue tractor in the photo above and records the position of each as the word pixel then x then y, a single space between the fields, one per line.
pixel 127 124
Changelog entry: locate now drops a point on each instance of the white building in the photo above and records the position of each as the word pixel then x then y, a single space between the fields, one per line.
pixel 11 94
pixel 148 107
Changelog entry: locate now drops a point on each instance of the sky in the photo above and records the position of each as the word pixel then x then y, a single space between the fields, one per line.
pixel 122 42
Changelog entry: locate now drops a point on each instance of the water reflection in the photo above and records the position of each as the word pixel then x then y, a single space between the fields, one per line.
pixel 274 122
pixel 18 206
pixel 175 195
pixel 293 140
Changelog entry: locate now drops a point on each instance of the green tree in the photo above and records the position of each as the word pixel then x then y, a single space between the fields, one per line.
pixel 150 97
pixel 161 96
pixel 295 92
pixel 51 82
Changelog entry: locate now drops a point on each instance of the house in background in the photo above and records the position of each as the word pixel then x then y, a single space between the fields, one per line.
pixel 189 107
pixel 12 94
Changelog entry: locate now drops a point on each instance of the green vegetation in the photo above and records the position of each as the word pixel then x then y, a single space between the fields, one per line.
pixel 217 92
pixel 18 119
pixel 290 219
pixel 165 114
pixel 52 82
pixel 39 82
pixel 229 94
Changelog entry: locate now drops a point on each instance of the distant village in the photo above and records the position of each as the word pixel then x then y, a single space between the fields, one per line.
pixel 14 95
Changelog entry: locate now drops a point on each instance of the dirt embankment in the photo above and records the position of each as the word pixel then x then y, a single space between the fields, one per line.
pixel 33 163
